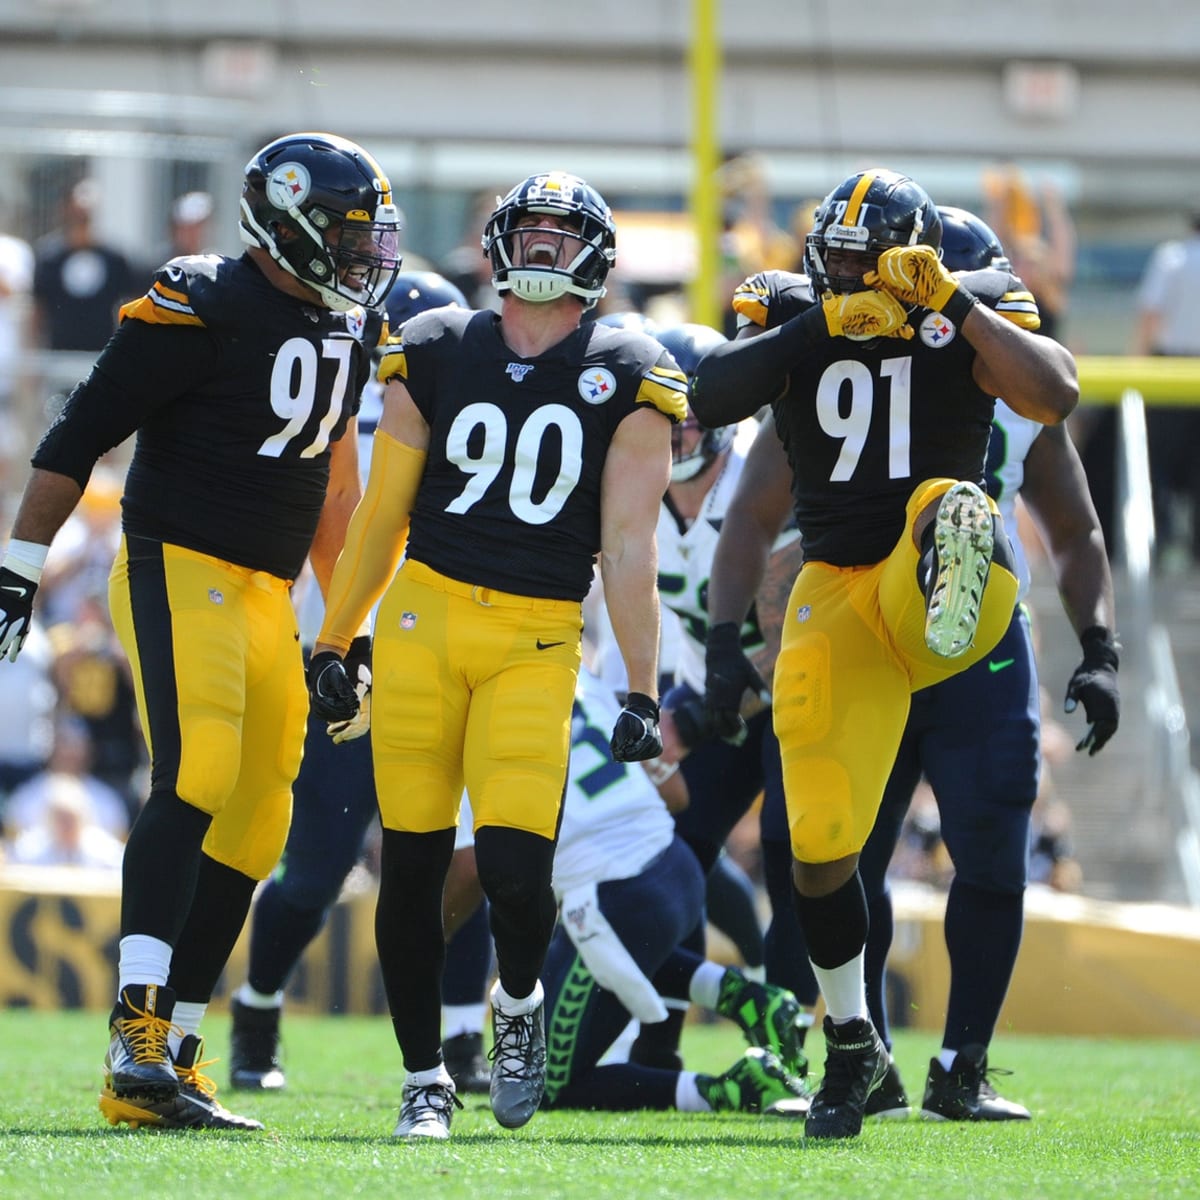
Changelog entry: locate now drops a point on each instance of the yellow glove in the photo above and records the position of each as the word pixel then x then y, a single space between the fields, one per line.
pixel 915 275
pixel 360 723
pixel 864 315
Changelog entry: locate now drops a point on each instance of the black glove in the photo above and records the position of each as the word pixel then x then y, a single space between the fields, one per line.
pixel 635 736
pixel 728 674
pixel 331 694
pixel 16 611
pixel 1095 683
pixel 358 670
pixel 691 720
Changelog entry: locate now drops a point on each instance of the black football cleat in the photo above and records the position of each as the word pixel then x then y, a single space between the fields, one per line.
pixel 254 1063
pixel 964 1093
pixel 856 1062
pixel 138 1063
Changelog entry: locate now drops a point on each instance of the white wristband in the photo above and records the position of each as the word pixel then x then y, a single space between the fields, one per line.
pixel 659 771
pixel 26 559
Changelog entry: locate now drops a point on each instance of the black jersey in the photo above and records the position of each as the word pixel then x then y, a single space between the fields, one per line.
pixel 864 422
pixel 236 390
pixel 510 497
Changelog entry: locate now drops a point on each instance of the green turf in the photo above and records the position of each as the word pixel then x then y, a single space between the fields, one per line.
pixel 1111 1119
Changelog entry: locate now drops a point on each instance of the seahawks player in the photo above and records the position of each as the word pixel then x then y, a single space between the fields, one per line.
pixel 882 394
pixel 722 779
pixel 619 858
pixel 334 804
pixel 984 774
pixel 241 377
pixel 513 447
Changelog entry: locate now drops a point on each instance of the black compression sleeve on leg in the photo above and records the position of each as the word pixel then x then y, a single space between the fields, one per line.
pixel 219 907
pixel 514 869
pixel 410 940
pixel 162 860
pixel 835 926
pixel 733 381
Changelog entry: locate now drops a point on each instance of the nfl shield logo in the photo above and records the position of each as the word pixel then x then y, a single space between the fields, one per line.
pixel 804 612
pixel 408 620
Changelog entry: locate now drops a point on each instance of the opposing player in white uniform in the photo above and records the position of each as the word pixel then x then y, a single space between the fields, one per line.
pixel 722 780
pixel 619 859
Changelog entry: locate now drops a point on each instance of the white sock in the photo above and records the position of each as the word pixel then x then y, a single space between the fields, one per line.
pixel 437 1074
pixel 143 959
pixel 947 1057
pixel 758 974
pixel 462 1018
pixel 844 989
pixel 184 1020
pixel 705 985
pixel 251 999
pixel 514 1006
pixel 687 1094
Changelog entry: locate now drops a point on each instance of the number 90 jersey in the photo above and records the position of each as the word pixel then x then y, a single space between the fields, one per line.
pixel 864 422
pixel 510 497
pixel 236 390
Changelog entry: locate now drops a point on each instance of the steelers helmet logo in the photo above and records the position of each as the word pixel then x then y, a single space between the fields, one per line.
pixel 597 385
pixel 288 185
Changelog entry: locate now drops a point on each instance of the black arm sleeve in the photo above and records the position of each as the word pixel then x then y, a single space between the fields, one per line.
pixel 734 380
pixel 142 367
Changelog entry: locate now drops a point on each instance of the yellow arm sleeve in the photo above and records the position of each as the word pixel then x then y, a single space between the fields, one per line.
pixel 374 540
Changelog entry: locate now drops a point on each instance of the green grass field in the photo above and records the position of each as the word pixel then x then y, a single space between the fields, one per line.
pixel 1111 1119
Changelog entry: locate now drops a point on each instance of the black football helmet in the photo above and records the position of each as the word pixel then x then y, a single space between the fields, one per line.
pixel 583 256
pixel 688 343
pixel 868 212
pixel 416 292
pixel 322 207
pixel 968 242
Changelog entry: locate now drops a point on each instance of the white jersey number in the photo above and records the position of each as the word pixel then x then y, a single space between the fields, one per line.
pixel 294 381
pixel 852 422
pixel 485 464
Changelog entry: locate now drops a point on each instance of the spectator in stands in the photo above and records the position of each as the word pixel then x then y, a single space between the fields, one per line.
pixel 79 280
pixel 68 833
pixel 1168 322
pixel 71 755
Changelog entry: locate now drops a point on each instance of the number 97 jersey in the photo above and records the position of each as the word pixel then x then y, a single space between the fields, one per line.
pixel 510 497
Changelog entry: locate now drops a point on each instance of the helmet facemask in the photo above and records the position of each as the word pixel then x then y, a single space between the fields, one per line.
pixel 867 214
pixel 688 462
pixel 541 262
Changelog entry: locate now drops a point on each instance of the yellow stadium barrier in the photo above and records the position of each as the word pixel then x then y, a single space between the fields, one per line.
pixel 1167 381
pixel 1086 967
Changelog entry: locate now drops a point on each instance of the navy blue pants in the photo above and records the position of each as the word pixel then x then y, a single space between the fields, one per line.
pixel 976 739
pixel 651 913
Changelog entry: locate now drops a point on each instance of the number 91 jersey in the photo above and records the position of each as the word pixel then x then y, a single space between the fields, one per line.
pixel 865 422
pixel 510 497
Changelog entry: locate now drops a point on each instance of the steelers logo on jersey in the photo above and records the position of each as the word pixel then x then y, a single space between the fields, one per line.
pixel 597 384
pixel 936 331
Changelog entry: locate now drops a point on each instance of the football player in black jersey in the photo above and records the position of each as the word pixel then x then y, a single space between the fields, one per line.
pixel 241 377
pixel 513 448
pixel 881 388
